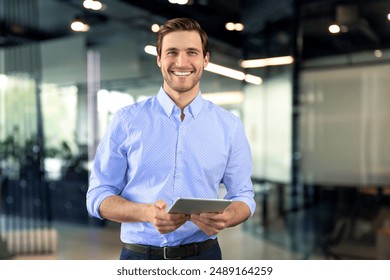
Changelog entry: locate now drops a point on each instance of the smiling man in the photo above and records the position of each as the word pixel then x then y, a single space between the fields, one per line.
pixel 182 59
pixel 175 144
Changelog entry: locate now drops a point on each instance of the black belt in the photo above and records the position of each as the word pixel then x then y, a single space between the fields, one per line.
pixel 174 252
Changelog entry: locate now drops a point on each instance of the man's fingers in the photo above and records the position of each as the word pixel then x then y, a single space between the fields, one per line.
pixel 164 222
pixel 210 223
pixel 166 226
pixel 161 204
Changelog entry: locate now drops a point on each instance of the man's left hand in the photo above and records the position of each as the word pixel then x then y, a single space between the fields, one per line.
pixel 213 223
pixel 210 223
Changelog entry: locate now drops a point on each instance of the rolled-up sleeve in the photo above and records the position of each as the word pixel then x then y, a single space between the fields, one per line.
pixel 237 177
pixel 109 167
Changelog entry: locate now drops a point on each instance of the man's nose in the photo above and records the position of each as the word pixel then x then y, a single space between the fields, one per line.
pixel 181 59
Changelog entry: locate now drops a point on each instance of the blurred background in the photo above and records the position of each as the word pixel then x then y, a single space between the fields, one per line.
pixel 309 79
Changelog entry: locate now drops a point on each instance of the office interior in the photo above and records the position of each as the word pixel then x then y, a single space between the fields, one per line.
pixel 308 78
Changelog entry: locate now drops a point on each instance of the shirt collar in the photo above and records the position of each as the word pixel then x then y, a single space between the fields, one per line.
pixel 168 105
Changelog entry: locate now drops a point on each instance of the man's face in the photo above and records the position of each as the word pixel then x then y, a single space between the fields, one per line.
pixel 182 62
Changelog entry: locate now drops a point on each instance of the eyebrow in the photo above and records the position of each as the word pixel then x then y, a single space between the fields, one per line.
pixel 188 49
pixel 194 49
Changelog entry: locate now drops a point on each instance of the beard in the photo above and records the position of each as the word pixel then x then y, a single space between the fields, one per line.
pixel 182 86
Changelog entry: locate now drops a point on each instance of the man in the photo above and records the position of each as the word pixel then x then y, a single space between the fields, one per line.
pixel 175 144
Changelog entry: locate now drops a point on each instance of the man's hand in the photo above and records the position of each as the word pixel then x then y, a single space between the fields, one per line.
pixel 210 223
pixel 213 223
pixel 164 222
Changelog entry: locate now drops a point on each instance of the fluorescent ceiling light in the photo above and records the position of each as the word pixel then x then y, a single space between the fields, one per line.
pixel 150 50
pixel 264 62
pixel 218 69
pixel 253 79
pixel 225 98
pixel 224 71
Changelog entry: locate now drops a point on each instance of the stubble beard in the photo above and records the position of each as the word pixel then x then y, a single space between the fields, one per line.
pixel 181 88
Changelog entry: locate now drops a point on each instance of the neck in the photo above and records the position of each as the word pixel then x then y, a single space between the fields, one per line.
pixel 182 99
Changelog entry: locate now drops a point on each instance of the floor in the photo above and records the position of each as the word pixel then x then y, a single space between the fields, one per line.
pixel 268 235
pixel 282 238
pixel 78 242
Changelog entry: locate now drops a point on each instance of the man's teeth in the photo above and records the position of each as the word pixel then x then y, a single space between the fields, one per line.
pixel 182 73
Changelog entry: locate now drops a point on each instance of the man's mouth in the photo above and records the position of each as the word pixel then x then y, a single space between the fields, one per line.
pixel 182 73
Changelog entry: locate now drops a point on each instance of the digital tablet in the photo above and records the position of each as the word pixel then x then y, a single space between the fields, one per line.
pixel 198 205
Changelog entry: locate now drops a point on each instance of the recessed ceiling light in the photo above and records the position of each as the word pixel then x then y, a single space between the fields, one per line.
pixel 179 2
pixel 79 25
pixel 155 28
pixel 334 28
pixel 231 26
pixel 93 5
pixel 239 26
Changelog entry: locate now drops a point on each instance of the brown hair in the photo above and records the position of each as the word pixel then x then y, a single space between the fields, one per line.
pixel 182 24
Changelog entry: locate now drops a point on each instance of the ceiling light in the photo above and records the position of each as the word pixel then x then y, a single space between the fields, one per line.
pixel 239 26
pixel 334 28
pixel 218 69
pixel 378 53
pixel 93 5
pixel 264 62
pixel 79 25
pixel 150 50
pixel 388 16
pixel 253 79
pixel 225 98
pixel 224 71
pixel 179 2
pixel 155 28
pixel 231 26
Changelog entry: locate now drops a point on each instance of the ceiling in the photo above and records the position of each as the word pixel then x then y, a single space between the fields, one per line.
pixel 272 28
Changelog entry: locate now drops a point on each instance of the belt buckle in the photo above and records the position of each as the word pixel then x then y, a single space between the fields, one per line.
pixel 166 257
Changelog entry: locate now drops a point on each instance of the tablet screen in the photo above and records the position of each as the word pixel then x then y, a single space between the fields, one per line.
pixel 198 205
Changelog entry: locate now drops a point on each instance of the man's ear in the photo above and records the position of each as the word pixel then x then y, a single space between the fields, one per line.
pixel 158 61
pixel 206 59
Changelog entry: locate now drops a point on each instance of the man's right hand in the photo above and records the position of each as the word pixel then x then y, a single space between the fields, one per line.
pixel 164 222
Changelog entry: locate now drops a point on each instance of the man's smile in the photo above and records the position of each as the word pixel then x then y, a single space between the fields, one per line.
pixel 182 74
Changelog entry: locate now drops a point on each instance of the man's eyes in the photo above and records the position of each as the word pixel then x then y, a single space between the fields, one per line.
pixel 191 53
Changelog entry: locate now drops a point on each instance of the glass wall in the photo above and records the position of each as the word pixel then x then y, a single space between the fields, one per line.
pixel 59 110
pixel 18 123
pixel 344 126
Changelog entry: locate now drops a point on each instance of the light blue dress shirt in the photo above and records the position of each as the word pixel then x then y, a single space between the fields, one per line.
pixel 147 154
